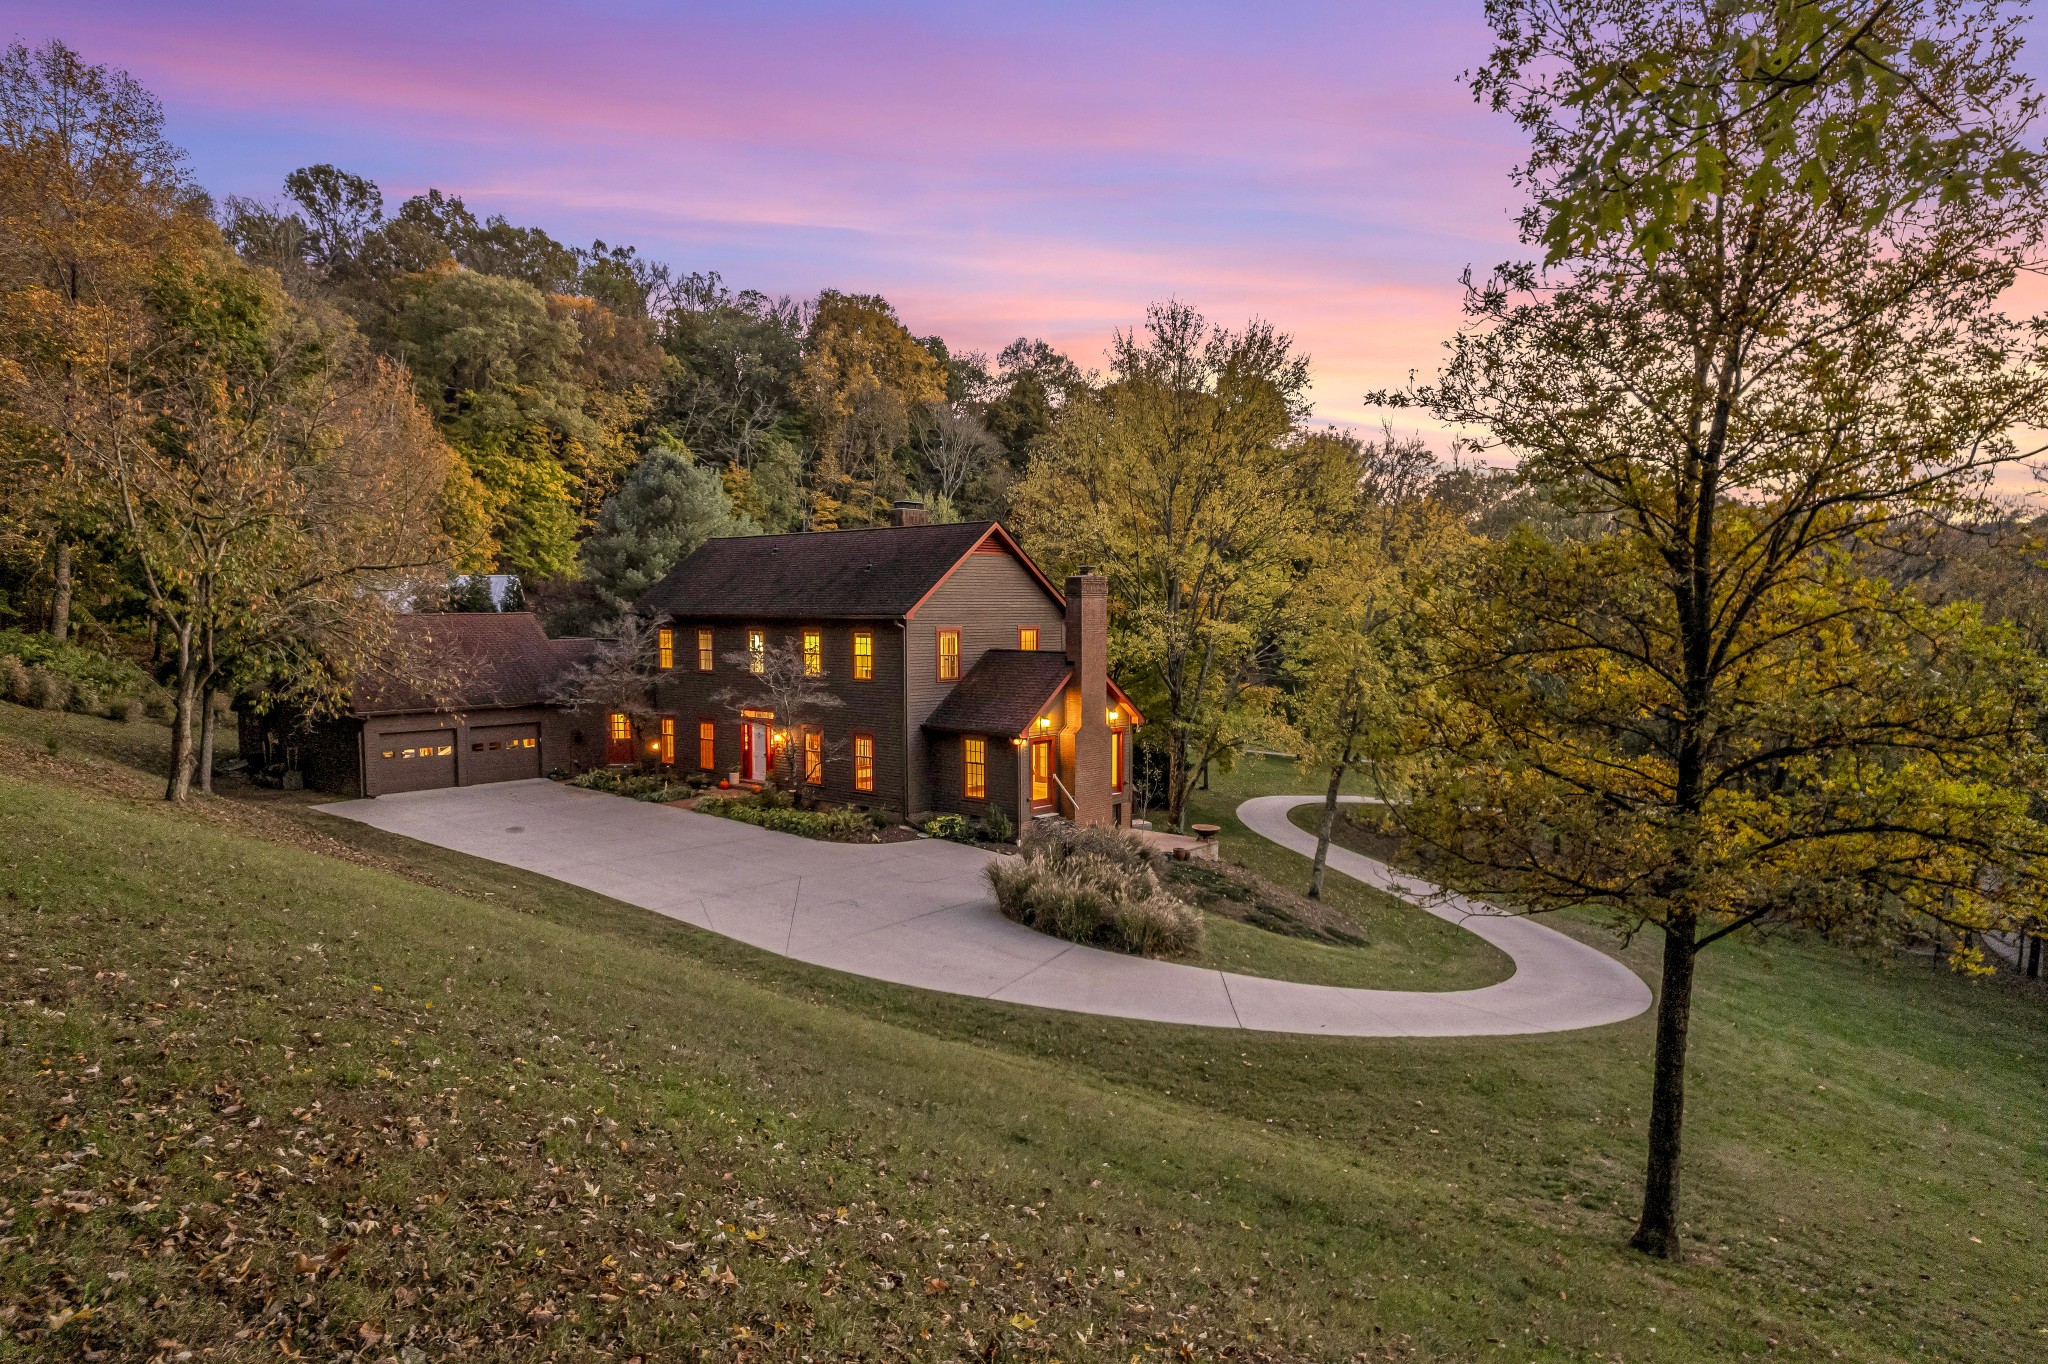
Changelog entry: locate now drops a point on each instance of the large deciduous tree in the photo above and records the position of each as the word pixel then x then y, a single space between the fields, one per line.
pixel 864 376
pixel 1363 655
pixel 276 486
pixel 92 196
pixel 1766 338
pixel 1187 484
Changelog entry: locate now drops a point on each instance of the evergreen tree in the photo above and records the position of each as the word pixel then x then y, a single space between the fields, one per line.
pixel 667 507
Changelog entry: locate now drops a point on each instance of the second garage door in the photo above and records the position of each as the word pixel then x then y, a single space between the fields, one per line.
pixel 501 753
pixel 418 761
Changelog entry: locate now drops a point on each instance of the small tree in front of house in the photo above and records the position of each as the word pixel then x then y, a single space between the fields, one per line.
pixel 617 678
pixel 779 682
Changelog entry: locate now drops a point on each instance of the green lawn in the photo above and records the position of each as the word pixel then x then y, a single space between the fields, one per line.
pixel 239 1037
pixel 1405 948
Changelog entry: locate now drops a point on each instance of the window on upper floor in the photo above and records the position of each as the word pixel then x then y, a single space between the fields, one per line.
pixel 757 651
pixel 704 651
pixel 949 655
pixel 863 655
pixel 665 647
pixel 1027 637
pixel 814 653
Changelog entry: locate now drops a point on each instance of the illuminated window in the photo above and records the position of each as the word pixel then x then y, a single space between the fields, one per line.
pixel 703 651
pixel 406 754
pixel 668 739
pixel 388 753
pixel 1027 637
pixel 814 757
pixel 863 655
pixel 444 750
pixel 665 644
pixel 975 751
pixel 863 762
pixel 707 745
pixel 814 653
pixel 757 651
pixel 949 655
pixel 622 728
pixel 1116 760
pixel 1041 772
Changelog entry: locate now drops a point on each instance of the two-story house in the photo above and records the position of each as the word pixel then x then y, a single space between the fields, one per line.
pixel 967 680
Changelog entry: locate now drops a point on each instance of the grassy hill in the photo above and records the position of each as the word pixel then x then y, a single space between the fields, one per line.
pixel 275 1084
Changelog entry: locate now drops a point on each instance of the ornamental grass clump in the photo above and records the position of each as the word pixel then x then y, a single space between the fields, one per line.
pixel 1093 886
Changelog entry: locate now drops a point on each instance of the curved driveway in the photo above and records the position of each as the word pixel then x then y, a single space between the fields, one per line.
pixel 920 914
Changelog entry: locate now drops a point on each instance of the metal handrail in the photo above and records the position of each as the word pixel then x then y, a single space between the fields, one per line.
pixel 1072 804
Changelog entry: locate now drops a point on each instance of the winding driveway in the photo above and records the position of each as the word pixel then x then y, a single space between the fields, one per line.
pixel 920 914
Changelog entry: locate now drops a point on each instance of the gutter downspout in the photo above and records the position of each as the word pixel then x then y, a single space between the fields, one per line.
pixel 909 742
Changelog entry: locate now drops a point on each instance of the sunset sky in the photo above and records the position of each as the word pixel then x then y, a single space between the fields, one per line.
pixel 995 170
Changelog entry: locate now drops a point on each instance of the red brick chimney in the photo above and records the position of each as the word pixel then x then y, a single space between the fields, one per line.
pixel 1084 747
pixel 909 513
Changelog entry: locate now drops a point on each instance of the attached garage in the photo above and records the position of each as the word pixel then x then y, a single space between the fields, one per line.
pixel 489 717
pixel 411 760
pixel 500 753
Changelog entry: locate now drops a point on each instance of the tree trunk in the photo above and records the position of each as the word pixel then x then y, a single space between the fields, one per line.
pixel 1329 825
pixel 205 764
pixel 60 593
pixel 180 784
pixel 1177 784
pixel 2033 957
pixel 1657 1232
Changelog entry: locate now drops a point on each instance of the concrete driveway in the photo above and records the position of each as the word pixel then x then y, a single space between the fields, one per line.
pixel 920 914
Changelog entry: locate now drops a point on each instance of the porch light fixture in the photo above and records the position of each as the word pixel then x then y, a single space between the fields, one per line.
pixel 1045 722
pixel 1017 742
pixel 1113 715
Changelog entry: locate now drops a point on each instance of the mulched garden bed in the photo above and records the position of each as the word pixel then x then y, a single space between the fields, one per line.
pixel 1242 894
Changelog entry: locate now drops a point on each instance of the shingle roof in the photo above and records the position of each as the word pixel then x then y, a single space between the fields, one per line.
pixel 463 660
pixel 877 573
pixel 1002 693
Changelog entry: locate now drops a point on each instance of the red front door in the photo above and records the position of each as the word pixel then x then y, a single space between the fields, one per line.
pixel 618 746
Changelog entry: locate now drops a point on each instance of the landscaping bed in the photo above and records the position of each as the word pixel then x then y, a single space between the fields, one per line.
pixel 1097 887
pixel 770 810
pixel 1242 894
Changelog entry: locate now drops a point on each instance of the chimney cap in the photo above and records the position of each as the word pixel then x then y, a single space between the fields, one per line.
pixel 908 511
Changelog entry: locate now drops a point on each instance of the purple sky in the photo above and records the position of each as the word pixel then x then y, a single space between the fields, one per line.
pixel 995 170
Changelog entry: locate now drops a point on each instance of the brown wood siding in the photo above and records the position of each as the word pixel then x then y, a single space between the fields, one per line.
pixel 949 778
pixel 874 707
pixel 986 599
